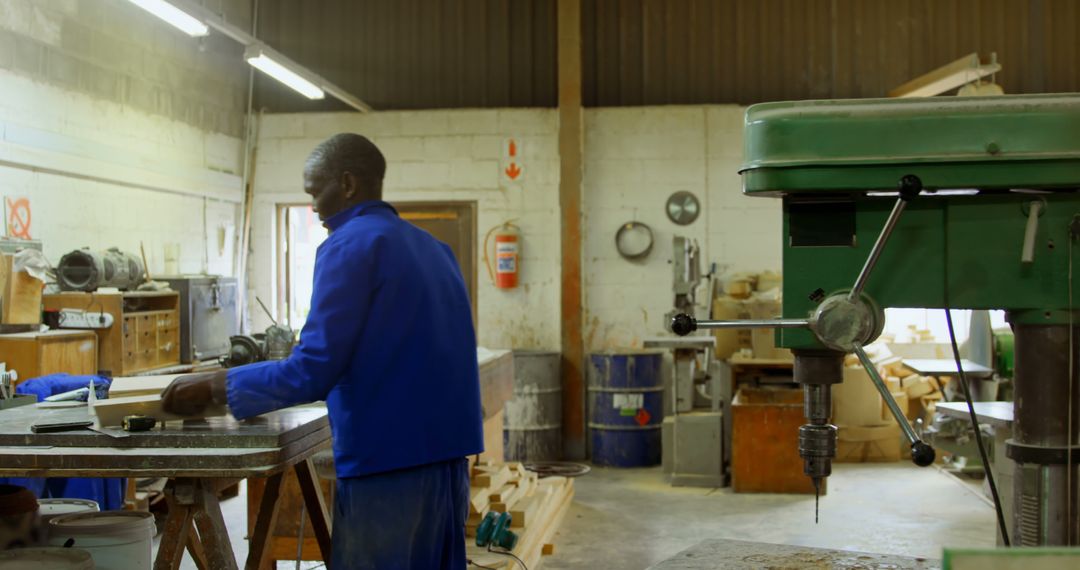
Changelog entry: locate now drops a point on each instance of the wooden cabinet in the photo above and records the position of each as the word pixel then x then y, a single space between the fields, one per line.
pixel 145 334
pixel 52 352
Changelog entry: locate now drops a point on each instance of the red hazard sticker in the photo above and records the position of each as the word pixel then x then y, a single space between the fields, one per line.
pixel 643 416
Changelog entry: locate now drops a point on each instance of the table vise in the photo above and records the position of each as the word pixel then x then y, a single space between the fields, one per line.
pixel 977 200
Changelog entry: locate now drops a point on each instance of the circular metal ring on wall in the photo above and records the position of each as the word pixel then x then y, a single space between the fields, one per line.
pixel 634 240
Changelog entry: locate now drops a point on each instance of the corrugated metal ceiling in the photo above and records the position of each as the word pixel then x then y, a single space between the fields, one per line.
pixel 405 54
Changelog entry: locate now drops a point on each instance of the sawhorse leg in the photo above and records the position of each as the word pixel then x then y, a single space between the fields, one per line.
pixel 261 536
pixel 193 504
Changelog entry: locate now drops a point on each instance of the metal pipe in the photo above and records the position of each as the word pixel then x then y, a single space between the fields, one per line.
pixel 755 324
pixel 901 419
pixel 879 246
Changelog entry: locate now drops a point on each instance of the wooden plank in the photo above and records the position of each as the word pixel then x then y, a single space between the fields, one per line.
pixel 502 493
pixel 523 514
pixel 126 386
pixel 479 501
pixel 111 412
pixel 492 480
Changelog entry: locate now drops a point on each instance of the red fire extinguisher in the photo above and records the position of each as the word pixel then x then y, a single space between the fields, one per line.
pixel 507 255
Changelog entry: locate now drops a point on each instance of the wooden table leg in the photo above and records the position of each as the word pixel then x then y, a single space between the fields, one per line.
pixel 261 536
pixel 316 506
pixel 211 524
pixel 175 536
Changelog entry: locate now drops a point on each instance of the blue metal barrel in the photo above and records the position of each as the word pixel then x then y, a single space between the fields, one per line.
pixel 626 408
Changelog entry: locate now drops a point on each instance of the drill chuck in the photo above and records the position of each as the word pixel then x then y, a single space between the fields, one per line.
pixel 817 447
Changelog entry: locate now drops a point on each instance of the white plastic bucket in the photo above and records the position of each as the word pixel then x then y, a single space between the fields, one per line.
pixel 117 540
pixel 46 558
pixel 49 509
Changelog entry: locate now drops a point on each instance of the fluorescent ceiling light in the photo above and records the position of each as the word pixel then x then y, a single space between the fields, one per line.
pixel 261 59
pixel 174 16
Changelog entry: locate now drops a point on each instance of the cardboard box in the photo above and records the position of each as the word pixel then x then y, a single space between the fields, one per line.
pixel 20 295
pixel 856 444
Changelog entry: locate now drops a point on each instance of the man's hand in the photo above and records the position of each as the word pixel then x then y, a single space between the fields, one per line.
pixel 190 394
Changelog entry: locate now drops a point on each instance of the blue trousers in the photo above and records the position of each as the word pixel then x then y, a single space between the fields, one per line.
pixel 408 519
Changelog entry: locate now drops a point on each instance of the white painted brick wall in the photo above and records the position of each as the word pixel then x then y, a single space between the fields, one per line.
pixel 80 160
pixel 433 156
pixel 635 158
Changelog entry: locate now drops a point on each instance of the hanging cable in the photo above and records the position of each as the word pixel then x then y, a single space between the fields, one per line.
pixel 510 554
pixel 978 433
pixel 1074 230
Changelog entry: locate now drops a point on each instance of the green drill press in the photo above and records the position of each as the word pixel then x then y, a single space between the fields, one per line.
pixel 961 203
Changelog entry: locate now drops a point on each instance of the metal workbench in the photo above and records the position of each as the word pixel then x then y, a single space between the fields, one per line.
pixel 200 457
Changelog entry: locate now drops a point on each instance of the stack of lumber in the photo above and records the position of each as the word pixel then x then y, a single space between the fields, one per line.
pixel 867 430
pixel 749 296
pixel 537 507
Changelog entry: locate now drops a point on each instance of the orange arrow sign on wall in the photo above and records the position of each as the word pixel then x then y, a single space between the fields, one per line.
pixel 513 171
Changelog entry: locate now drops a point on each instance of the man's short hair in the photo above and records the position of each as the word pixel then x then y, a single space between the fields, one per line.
pixel 350 152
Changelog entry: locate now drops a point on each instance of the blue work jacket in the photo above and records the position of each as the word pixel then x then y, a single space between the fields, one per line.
pixel 389 345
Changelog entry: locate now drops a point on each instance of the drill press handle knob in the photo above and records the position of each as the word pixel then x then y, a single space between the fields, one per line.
pixel 683 324
pixel 922 454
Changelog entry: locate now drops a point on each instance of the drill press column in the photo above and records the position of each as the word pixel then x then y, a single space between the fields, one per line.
pixel 1046 487
pixel 817 371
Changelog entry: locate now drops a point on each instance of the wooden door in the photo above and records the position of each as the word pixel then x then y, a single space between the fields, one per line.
pixel 453 223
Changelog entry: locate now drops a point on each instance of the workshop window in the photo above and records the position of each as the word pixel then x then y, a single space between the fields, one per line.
pixel 300 233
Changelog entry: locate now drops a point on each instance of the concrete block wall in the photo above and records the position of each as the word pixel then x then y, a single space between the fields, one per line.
pixel 635 158
pixel 451 155
pixel 101 169
pixel 113 50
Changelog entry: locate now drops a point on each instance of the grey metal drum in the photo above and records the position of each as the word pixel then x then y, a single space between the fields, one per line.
pixel 532 428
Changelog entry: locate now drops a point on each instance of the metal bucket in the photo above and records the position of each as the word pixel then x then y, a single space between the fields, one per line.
pixel 532 427
pixel 626 408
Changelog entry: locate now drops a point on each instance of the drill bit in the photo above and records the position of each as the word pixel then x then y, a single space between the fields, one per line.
pixel 817 497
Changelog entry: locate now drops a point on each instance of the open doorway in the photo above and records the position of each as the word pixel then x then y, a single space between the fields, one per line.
pixel 300 232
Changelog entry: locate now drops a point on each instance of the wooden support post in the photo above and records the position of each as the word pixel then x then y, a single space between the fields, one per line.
pixel 261 536
pixel 316 506
pixel 571 168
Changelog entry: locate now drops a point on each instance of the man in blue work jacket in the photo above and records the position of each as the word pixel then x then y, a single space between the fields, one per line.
pixel 389 345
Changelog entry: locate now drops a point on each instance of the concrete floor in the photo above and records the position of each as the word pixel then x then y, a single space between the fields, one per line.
pixel 631 519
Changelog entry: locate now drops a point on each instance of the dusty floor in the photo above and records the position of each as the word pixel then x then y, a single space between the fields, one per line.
pixel 631 519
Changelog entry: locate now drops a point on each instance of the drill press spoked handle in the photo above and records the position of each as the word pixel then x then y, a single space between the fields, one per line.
pixel 683 324
pixel 921 452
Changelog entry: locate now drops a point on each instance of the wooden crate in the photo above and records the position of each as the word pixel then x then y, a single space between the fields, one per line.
pixel 765 442
pixel 52 352
pixel 145 334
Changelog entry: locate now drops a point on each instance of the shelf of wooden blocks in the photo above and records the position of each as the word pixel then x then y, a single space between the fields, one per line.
pixel 536 506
